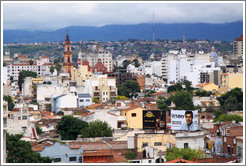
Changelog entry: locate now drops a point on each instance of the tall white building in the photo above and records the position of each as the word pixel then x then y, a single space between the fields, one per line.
pixel 93 56
pixel 41 67
pixel 177 67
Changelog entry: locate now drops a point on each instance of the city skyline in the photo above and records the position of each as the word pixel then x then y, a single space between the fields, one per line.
pixel 55 15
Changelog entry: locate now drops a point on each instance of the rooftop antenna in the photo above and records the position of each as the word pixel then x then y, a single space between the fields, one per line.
pixel 153 23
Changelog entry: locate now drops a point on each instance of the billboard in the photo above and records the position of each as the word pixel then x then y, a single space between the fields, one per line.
pixel 184 120
pixel 154 119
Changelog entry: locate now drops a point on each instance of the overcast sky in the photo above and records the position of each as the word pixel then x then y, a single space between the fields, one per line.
pixel 58 15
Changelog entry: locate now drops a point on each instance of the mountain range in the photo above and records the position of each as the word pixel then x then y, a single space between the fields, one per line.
pixel 199 31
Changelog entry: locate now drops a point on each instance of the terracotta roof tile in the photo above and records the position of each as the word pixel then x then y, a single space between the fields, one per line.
pixel 180 161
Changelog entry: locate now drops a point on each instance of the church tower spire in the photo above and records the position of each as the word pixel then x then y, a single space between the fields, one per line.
pixel 68 62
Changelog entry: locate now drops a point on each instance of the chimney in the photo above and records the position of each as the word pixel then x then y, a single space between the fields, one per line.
pixel 133 104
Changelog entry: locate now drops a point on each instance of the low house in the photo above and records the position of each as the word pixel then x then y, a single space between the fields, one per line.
pixel 63 101
pixel 193 139
pixel 84 99
pixel 62 153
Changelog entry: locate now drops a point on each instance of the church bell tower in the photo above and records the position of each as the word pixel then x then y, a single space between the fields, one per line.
pixel 68 62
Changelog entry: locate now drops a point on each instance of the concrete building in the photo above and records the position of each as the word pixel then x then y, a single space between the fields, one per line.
pixel 5 75
pixel 194 140
pixel 84 72
pixel 93 56
pixel 84 99
pixel 159 141
pixel 103 88
pixel 240 147
pixel 41 67
pixel 231 80
pixel 5 129
pixel 63 101
pixel 238 46
pixel 62 153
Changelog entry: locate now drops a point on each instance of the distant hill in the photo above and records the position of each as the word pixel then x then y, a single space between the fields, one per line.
pixel 200 31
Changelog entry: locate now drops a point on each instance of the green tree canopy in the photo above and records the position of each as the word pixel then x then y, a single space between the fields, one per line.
pixel 131 155
pixel 31 62
pixel 183 100
pixel 182 85
pixel 162 104
pixel 125 63
pixel 136 63
pixel 23 74
pixel 58 67
pixel 97 129
pixel 69 127
pixel 203 93
pixel 39 130
pixel 10 101
pixel 128 88
pixel 187 154
pixel 52 69
pixel 228 118
pixel 21 151
pixel 231 100
pixel 122 98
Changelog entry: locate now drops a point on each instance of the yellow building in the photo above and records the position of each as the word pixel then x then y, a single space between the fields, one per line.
pixel 134 117
pixel 81 74
pixel 39 80
pixel 231 80
pixel 158 141
pixel 208 86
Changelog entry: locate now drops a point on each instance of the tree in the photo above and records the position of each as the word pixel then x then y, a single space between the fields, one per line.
pixel 147 75
pixel 31 62
pixel 97 129
pixel 52 69
pixel 136 63
pixel 21 151
pixel 183 100
pixel 39 130
pixel 95 100
pixel 58 68
pixel 162 105
pixel 231 100
pixel 203 93
pixel 183 85
pixel 10 101
pixel 125 63
pixel 60 113
pixel 131 155
pixel 128 88
pixel 23 74
pixel 229 118
pixel 48 107
pixel 122 98
pixel 69 127
pixel 187 154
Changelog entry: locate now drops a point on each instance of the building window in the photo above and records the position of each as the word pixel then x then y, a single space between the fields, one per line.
pixel 144 144
pixel 24 117
pixel 57 159
pixel 72 158
pixel 19 118
pixel 134 114
pixel 186 145
pixel 81 100
pixel 158 144
pixel 87 100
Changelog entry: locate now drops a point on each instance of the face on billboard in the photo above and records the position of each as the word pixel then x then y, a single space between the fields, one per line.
pixel 184 120
pixel 154 119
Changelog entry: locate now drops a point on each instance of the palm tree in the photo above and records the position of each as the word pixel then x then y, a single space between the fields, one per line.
pixel 52 69
pixel 58 68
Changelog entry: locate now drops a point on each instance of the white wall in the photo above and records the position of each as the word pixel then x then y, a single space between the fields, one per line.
pixel 195 140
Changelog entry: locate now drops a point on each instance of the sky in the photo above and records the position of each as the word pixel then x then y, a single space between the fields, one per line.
pixel 52 16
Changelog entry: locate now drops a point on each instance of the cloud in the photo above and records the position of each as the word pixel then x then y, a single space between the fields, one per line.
pixel 56 15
